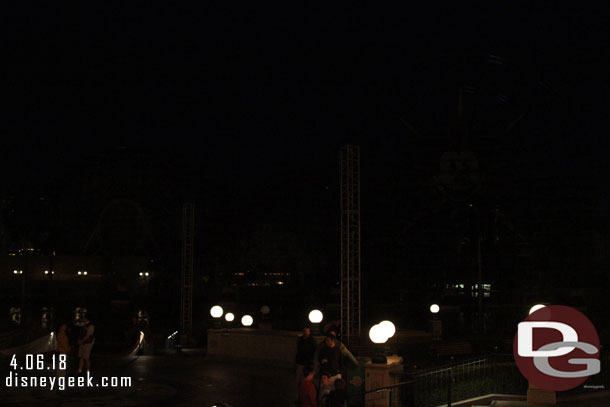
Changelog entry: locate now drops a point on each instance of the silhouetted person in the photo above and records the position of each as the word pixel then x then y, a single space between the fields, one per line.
pixel 306 347
pixel 344 350
pixel 330 358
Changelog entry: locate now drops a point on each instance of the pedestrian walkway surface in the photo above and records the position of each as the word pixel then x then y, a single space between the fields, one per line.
pixel 174 380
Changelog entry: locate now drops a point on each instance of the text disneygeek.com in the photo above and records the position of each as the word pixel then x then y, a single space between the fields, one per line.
pixel 55 363
pixel 14 380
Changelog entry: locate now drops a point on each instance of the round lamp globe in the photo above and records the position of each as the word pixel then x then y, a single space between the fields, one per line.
pixel 536 308
pixel 388 327
pixel 247 320
pixel 216 311
pixel 377 334
pixel 315 316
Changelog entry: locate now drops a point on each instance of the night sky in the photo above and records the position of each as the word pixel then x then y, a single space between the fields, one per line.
pixel 274 85
pixel 245 106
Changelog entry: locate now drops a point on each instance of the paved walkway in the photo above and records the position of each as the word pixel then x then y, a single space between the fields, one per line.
pixel 177 380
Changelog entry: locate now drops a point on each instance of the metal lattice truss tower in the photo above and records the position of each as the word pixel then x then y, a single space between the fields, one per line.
pixel 186 309
pixel 350 242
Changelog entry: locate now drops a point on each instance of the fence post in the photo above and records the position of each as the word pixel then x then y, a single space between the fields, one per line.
pixel 449 387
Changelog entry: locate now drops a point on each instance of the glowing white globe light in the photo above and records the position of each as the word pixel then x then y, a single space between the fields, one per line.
pixel 315 316
pixel 229 317
pixel 434 308
pixel 216 311
pixel 377 334
pixel 247 320
pixel 265 309
pixel 536 308
pixel 389 328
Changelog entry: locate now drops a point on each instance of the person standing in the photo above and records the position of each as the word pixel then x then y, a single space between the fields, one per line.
pixel 346 353
pixel 85 344
pixel 307 390
pixel 330 358
pixel 306 347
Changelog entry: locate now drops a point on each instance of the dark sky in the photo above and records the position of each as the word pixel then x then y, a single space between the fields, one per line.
pixel 255 96
pixel 254 85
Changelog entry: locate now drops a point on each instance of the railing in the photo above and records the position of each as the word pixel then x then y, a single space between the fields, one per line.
pixel 489 374
pixel 391 390
pixel 494 373
pixel 444 385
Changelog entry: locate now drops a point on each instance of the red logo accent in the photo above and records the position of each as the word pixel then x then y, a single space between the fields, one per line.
pixel 567 320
